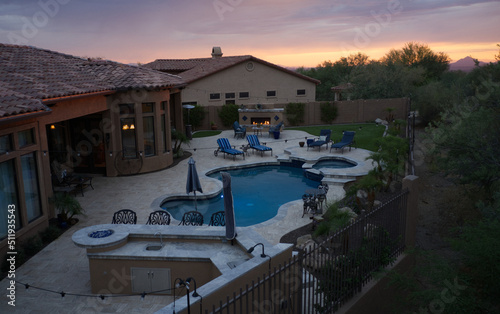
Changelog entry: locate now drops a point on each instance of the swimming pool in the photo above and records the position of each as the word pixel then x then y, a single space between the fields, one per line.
pixel 258 192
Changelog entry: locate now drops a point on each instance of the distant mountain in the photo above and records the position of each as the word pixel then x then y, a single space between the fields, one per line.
pixel 466 64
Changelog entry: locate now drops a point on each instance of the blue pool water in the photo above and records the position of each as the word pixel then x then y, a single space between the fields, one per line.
pixel 258 192
pixel 333 163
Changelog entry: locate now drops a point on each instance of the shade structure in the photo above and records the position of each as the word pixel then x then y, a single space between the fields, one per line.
pixel 228 206
pixel 193 181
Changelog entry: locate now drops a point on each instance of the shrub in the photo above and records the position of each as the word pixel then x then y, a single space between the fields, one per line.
pixel 50 234
pixel 32 245
pixel 295 113
pixel 329 112
pixel 196 115
pixel 228 113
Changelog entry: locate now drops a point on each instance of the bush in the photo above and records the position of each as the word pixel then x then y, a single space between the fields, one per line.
pixel 228 113
pixel 50 234
pixel 295 113
pixel 32 245
pixel 329 112
pixel 196 115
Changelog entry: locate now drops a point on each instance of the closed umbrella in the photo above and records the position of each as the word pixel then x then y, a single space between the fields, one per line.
pixel 228 206
pixel 193 181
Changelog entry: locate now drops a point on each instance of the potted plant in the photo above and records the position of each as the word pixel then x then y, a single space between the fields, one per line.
pixel 67 206
pixel 213 126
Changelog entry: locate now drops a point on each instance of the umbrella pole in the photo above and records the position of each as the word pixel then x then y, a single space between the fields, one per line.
pixel 195 204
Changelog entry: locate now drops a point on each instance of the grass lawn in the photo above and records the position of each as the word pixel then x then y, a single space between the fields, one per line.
pixel 206 133
pixel 366 133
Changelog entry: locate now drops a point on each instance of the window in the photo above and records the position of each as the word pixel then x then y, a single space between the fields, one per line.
pixel 5 144
pixel 163 133
pixel 127 109
pixel 30 182
pixel 8 196
pixel 244 95
pixel 271 93
pixel 214 96
pixel 230 95
pixel 148 128
pixel 149 135
pixel 26 138
pixel 129 144
pixel 164 105
pixel 301 92
pixel 230 102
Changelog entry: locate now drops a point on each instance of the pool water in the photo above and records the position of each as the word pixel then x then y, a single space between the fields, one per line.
pixel 258 192
pixel 333 163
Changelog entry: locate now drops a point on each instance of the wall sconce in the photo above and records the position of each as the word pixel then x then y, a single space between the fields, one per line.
pixel 52 126
pixel 127 127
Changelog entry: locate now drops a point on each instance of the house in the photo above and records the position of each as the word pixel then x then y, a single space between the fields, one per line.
pixel 64 113
pixel 242 80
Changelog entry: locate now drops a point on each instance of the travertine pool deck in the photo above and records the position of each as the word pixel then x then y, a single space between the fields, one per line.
pixel 62 266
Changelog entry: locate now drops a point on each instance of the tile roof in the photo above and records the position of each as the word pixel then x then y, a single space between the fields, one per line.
pixel 194 69
pixel 30 75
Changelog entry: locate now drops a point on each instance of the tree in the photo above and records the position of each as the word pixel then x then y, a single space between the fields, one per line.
pixel 419 55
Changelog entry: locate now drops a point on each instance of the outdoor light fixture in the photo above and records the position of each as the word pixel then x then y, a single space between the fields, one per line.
pixel 52 127
pixel 250 250
pixel 186 284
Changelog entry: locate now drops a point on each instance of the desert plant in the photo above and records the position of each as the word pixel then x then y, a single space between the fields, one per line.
pixel 67 206
pixel 179 138
pixel 295 113
pixel 228 113
pixel 196 115
pixel 328 112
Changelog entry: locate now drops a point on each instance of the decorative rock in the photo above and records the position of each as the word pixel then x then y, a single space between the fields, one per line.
pixel 303 239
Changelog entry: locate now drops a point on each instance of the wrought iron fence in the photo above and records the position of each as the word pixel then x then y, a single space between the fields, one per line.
pixel 326 275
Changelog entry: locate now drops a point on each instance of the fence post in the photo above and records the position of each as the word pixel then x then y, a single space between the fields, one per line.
pixel 411 183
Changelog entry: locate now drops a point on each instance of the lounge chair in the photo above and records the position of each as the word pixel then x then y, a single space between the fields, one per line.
pixel 275 128
pixel 192 218
pixel 225 147
pixel 218 219
pixel 239 131
pixel 347 140
pixel 254 143
pixel 159 217
pixel 124 216
pixel 324 139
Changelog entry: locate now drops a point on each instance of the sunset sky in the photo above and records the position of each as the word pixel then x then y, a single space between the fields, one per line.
pixel 285 32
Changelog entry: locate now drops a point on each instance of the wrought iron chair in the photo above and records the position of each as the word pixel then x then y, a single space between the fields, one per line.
pixel 159 217
pixel 218 219
pixel 310 204
pixel 192 218
pixel 124 216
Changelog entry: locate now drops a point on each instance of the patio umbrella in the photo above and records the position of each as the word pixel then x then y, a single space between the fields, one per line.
pixel 193 181
pixel 228 206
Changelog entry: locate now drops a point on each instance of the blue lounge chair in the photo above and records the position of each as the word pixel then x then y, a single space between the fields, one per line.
pixel 347 140
pixel 225 147
pixel 275 128
pixel 254 143
pixel 239 131
pixel 324 139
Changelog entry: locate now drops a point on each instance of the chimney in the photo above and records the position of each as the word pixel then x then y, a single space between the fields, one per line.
pixel 216 52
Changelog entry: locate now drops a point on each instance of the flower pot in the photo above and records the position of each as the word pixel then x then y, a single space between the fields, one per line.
pixel 276 135
pixel 301 144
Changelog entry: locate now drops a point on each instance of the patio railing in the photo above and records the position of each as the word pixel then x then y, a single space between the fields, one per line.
pixel 326 275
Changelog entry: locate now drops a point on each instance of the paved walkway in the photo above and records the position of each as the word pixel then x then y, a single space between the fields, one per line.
pixel 62 266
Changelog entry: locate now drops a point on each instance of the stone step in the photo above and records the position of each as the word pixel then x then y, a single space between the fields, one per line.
pixel 337 181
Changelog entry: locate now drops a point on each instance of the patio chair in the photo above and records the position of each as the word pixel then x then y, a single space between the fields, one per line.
pixel 347 140
pixel 124 216
pixel 192 218
pixel 239 131
pixel 275 128
pixel 218 219
pixel 254 143
pixel 159 217
pixel 225 147
pixel 324 139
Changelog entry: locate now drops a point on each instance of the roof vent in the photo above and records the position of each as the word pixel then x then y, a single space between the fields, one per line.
pixel 216 52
